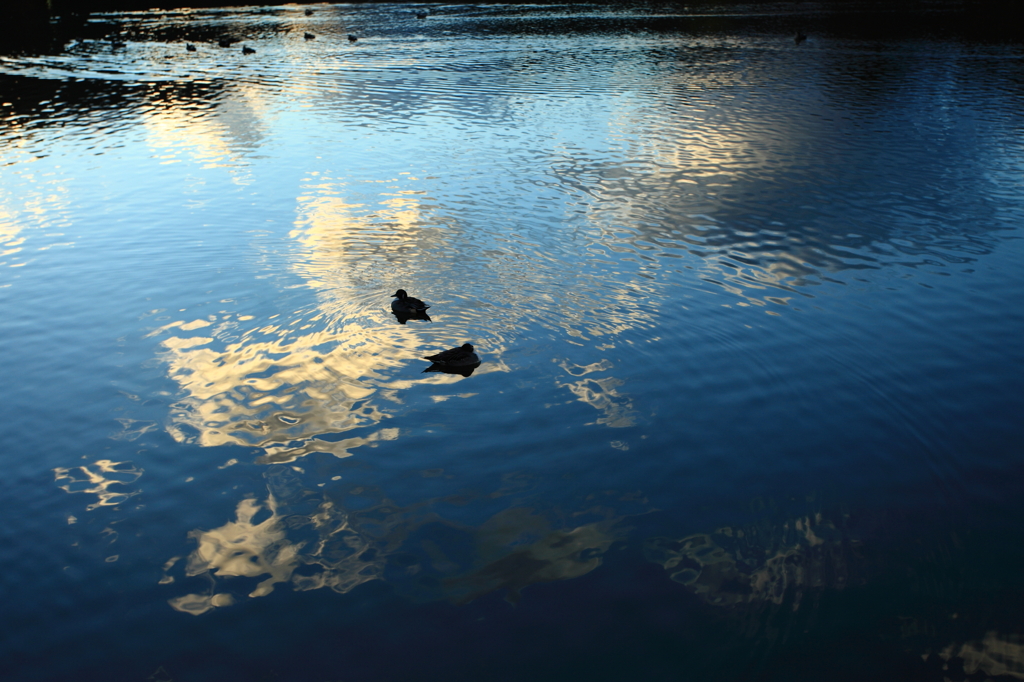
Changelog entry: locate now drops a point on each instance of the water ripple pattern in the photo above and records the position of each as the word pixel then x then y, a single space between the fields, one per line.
pixel 747 306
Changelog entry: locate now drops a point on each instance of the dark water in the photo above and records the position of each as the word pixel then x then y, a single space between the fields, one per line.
pixel 750 314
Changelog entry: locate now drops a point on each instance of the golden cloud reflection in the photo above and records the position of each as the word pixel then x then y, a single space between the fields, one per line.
pixel 97 479
pixel 324 545
pixel 197 604
pixel 215 136
pixel 995 655
pixel 41 202
pixel 687 185
pixel 245 548
pixel 279 390
pixel 352 243
pixel 10 242
pixel 601 394
pixel 735 566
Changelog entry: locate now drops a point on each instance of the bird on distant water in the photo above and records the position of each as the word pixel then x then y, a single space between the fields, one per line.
pixel 799 38
pixel 352 38
pixel 455 357
pixel 248 50
pixel 190 47
pixel 309 36
pixel 309 12
pixel 406 304
pixel 421 15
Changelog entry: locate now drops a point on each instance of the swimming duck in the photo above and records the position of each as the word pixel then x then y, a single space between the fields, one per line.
pixel 352 38
pixel 309 36
pixel 406 303
pixel 309 12
pixel 248 50
pixel 190 47
pixel 461 356
pixel 421 15
pixel 799 38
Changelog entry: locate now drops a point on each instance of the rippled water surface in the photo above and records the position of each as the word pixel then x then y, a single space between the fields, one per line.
pixel 749 312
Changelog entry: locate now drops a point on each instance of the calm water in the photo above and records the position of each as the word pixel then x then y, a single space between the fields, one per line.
pixel 750 314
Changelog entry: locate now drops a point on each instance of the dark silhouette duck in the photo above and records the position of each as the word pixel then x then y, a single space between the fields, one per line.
pixel 248 50
pixel 421 15
pixel 309 12
pixel 309 36
pixel 463 355
pixel 406 304
pixel 352 38
pixel 799 37
pixel 190 47
pixel 462 360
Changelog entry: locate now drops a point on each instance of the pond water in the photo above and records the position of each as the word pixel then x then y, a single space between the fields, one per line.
pixel 748 309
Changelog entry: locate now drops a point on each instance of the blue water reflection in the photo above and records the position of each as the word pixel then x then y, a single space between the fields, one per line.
pixel 748 312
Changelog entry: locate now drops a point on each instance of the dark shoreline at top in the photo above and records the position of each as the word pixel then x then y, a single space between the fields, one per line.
pixel 45 26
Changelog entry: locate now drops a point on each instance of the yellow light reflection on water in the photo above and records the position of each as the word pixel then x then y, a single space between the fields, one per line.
pixel 216 135
pixel 340 549
pixel 996 654
pixel 11 241
pixel 97 479
pixel 280 393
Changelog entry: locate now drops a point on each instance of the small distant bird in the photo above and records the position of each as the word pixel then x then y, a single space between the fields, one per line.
pixel 248 50
pixel 190 47
pixel 352 38
pixel 461 356
pixel 799 38
pixel 309 12
pixel 406 304
pixel 225 42
pixel 421 15
pixel 309 36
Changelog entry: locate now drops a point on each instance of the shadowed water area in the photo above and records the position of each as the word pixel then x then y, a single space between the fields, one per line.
pixel 749 311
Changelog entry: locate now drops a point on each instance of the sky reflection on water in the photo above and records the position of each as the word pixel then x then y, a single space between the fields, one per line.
pixel 748 311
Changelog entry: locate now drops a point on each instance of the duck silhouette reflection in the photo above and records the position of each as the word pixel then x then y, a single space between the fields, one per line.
pixel 405 316
pixel 463 370
pixel 462 360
